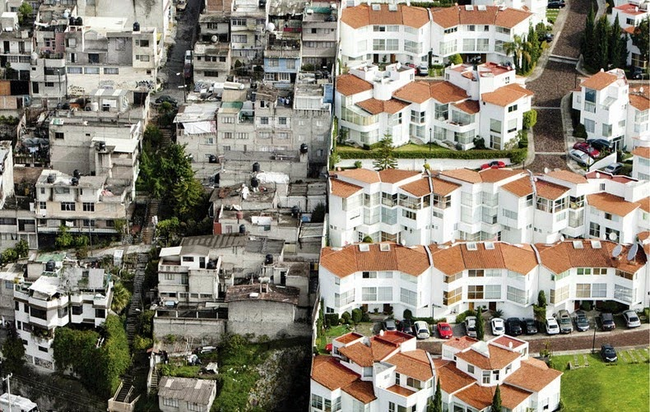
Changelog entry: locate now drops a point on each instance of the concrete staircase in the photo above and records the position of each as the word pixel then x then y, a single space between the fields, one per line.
pixel 149 230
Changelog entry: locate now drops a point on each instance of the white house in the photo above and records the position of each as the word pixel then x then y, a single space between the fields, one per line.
pixel 381 373
pixel 630 14
pixel 641 163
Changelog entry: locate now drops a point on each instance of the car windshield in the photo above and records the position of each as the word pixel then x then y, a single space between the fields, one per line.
pixel 633 318
pixel 445 327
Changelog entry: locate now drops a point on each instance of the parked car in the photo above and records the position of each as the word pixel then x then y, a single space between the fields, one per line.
pixel 188 56
pixel 529 326
pixel 548 37
pixel 564 319
pixel 585 147
pixel 389 324
pixel 582 323
pixel 607 321
pixel 421 329
pixel 608 353
pixel 552 328
pixel 406 326
pixel 444 330
pixel 631 319
pixel 470 326
pixel 181 5
pixel 600 144
pixel 166 99
pixel 423 69
pixel 498 326
pixel 582 158
pixel 513 327
pixel 638 73
pixel 614 168
pixel 495 164
pixel 556 5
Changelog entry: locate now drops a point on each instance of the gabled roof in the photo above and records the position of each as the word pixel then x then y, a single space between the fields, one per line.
pixel 480 397
pixel 451 378
pixel 599 81
pixel 468 106
pixel 630 9
pixel 533 375
pixel 454 259
pixel 343 189
pixel 499 358
pixel 349 84
pixel 396 175
pixel 412 364
pixel 421 91
pixel 567 176
pixel 187 389
pixel 520 187
pixel 327 371
pixel 361 390
pixel 466 175
pixel 421 188
pixel 610 203
pixel 490 175
pixel 375 106
pixel 365 15
pixel 391 176
pixel 639 99
pixel 350 259
pixel 506 95
pixel 362 175
pixel 364 355
pixel 563 256
pixel 550 191
pixel 492 15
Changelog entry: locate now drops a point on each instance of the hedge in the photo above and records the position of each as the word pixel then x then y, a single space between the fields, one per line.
pixel 516 155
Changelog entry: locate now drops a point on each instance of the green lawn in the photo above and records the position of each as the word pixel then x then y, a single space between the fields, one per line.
pixel 602 387
pixel 551 14
pixel 410 147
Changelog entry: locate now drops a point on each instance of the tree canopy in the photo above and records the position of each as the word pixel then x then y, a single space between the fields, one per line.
pixel 496 401
pixel 480 326
pixel 641 38
pixel 384 158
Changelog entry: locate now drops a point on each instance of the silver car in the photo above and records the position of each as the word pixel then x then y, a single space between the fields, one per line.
pixel 470 326
pixel 552 328
pixel 631 319
pixel 581 158
pixel 421 329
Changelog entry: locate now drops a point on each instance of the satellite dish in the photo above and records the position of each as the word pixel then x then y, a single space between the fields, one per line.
pixel 546 170
pixel 561 238
pixel 270 27
pixel 632 253
pixel 613 236
pixel 214 39
pixel 617 251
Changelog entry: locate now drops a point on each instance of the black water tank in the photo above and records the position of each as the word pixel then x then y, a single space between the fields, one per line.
pixel 256 167
pixel 242 229
pixel 136 26
pixel 76 173
pixel 269 259
pixel 80 21
pixel 254 182
pixel 212 159
pixel 295 210
pixel 73 21
pixel 303 148
pixel 50 266
pixel 74 181
pixel 211 264
pixel 51 178
pixel 217 178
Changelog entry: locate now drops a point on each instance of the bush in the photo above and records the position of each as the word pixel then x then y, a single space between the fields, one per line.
pixel 408 314
pixel 331 319
pixel 356 316
pixel 346 318
pixel 367 239
pixel 358 164
pixel 460 318
pixel 365 317
pixel 611 306
pixel 479 143
pixel 585 305
pixel 515 155
pixel 530 119
pixel 580 131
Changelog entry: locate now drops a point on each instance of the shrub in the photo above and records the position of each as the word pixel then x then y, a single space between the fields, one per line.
pixel 461 317
pixel 346 318
pixel 585 305
pixel 358 164
pixel 479 143
pixel 515 155
pixel 356 316
pixel 530 119
pixel 331 319
pixel 367 239
pixel 365 317
pixel 408 314
pixel 456 59
pixel 580 131
pixel 646 313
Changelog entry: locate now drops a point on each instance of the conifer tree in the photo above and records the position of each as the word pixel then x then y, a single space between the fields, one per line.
pixel 601 39
pixel 588 47
pixel 496 401
pixel 615 45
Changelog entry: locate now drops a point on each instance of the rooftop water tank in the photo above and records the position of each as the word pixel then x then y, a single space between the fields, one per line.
pixel 242 229
pixel 51 178
pixel 136 26
pixel 254 182
pixel 76 173
pixel 50 266
pixel 303 148
pixel 256 167
pixel 269 259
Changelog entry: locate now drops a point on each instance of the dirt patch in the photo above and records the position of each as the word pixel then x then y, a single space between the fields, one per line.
pixel 578 341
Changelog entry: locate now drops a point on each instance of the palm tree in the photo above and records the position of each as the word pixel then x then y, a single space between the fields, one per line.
pixel 519 49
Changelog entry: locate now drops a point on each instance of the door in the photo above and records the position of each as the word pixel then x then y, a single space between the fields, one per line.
pixel 5 45
pixel 471 306
pixel 492 306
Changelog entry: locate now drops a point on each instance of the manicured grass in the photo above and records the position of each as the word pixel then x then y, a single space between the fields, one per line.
pixel 606 387
pixel 418 148
pixel 551 14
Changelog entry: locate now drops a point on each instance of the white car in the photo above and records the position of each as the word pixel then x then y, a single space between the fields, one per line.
pixel 581 158
pixel 498 326
pixel 631 319
pixel 421 329
pixel 552 327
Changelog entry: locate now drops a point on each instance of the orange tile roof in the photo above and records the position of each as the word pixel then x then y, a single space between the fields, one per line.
pixel 645 204
pixel 451 378
pixel 599 81
pixel 400 391
pixel 396 175
pixel 504 256
pixel 496 175
pixel 630 9
pixel 363 15
pixel 374 106
pixel 343 189
pixel 361 390
pixel 443 187
pixel 358 353
pixel 533 375
pixel 418 188
pixel 563 256
pixel 411 366
pixel 362 175
pixel 642 152
pixel 454 16
pixel 466 175
pixel 507 340
pixel 520 187
pixel 499 358
pixel 421 91
pixel 550 191
pixel 461 343
pixel 468 106
pixel 506 95
pixel 567 176
pixel 349 84
pixel 480 397
pixel 327 371
pixel 640 100
pixel 610 203
pixel 349 337
pixel 348 260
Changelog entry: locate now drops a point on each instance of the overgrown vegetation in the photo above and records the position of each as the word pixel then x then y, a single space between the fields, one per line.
pixel 422 152
pixel 603 46
pixel 98 366
pixel 384 154
pixel 13 353
pixel 526 50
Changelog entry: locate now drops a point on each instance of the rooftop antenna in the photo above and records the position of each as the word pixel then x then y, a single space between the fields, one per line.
pixel 546 170
pixel 631 255
pixel 617 251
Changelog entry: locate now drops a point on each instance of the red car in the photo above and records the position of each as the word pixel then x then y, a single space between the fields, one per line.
pixel 496 164
pixel 585 147
pixel 444 330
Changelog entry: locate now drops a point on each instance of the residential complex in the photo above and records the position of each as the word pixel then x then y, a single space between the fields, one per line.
pixel 386 373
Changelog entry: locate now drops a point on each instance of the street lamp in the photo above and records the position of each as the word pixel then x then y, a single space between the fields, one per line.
pixel 430 137
pixel 593 343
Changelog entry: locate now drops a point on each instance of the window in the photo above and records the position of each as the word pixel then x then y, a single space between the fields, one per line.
pixel 239 38
pixel 369 294
pixel 495 126
pixel 452 278
pixel 475 273
pixel 599 290
pixel 241 135
pixel 607 130
pixel 68 206
pixel 75 70
pixel 442 111
pixel 409 214
pixel 486 377
pixel 264 120
pixel 622 293
pixel 624 275
pixel 470 368
pixel 475 292
pixel 88 207
pixel 385 294
pixel 583 290
pixel 211 73
pixel 228 119
pixel 100 313
pixel 274 62
pixel 408 297
pixel 594 229
pixel 142 43
pixel 512 108
pixel 512 125
pixel 560 294
pixel 451 297
pixel 91 70
pixel 492 292
pixel 510 214
pixel 58 135
pixel 516 295
pixel 111 70
pixel 170 402
pixel 590 126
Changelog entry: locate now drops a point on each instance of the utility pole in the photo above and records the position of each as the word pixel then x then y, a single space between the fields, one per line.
pixel 8 389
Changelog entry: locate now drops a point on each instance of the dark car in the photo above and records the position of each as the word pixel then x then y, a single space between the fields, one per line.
pixel 585 147
pixel 529 326
pixel 389 324
pixel 600 144
pixel 582 323
pixel 166 99
pixel 637 73
pixel 406 326
pixel 513 327
pixel 608 353
pixel 607 321
pixel 556 5
pixel 548 37
pixel 496 164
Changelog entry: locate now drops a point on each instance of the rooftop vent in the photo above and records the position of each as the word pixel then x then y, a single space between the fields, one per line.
pixel 392 7
pixel 469 7
pixel 376 7
pixel 384 247
pixel 489 245
pixel 364 247
pixel 595 244
pixel 577 244
pixel 471 246
pixel 254 295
